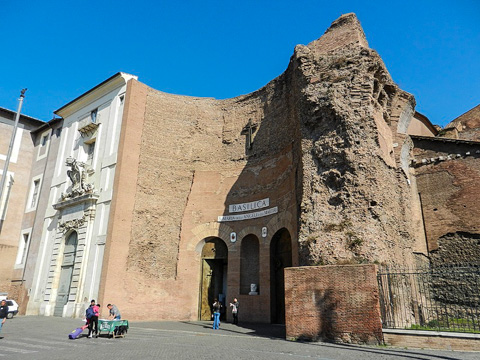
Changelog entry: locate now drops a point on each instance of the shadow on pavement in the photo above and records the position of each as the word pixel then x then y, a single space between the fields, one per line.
pixel 272 331
pixel 404 354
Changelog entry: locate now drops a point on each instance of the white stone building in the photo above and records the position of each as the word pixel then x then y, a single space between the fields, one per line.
pixel 68 259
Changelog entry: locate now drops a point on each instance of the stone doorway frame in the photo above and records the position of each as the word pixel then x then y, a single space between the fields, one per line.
pixel 217 257
pixel 76 214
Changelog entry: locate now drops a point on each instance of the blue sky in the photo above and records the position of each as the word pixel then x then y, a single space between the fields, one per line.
pixel 222 49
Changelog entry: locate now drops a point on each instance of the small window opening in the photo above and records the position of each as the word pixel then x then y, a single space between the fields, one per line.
pixel 93 116
pixel 24 248
pixel 36 185
pixel 90 152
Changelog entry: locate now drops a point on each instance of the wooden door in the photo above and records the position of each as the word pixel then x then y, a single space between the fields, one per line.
pixel 66 274
pixel 205 310
pixel 213 277
pixel 63 289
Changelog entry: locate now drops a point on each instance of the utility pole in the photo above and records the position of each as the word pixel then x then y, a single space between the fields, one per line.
pixel 10 148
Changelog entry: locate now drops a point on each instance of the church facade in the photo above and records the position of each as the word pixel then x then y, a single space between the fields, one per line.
pixel 64 262
pixel 161 203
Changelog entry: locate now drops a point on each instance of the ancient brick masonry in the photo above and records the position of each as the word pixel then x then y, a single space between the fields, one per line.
pixel 447 171
pixel 448 174
pixel 356 204
pixel 327 148
pixel 338 303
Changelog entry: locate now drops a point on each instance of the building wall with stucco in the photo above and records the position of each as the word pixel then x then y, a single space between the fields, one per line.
pixel 18 196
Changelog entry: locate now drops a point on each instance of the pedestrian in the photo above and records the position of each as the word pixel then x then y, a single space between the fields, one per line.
pixel 217 306
pixel 234 307
pixel 92 318
pixel 114 312
pixel 3 313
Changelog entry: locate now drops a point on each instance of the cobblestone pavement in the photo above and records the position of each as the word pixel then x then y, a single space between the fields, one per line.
pixel 40 338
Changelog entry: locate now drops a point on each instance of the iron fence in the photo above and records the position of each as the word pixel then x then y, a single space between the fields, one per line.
pixel 440 298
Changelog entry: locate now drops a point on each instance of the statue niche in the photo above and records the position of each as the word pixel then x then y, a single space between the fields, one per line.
pixel 78 176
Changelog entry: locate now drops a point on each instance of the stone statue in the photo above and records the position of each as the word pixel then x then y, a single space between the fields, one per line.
pixel 78 177
pixel 74 174
pixel 253 289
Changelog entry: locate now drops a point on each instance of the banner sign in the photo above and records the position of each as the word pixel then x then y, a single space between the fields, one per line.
pixel 253 215
pixel 254 205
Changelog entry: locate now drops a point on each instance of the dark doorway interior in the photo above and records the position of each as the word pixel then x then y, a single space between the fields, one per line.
pixel 249 263
pixel 214 276
pixel 280 258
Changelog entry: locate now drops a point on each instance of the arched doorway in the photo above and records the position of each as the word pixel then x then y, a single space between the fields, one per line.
pixel 214 276
pixel 66 273
pixel 280 258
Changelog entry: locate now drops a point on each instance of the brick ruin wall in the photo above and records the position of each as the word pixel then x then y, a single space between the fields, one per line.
pixel 448 174
pixel 338 114
pixel 183 136
pixel 192 160
pixel 340 109
pixel 337 303
pixel 356 202
pixel 465 127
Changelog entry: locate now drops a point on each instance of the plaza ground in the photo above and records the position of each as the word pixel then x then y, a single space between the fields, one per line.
pixel 42 338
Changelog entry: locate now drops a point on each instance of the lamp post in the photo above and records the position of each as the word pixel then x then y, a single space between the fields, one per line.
pixel 12 141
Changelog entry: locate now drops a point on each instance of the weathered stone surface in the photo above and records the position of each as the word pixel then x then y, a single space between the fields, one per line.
pixel 356 203
pixel 458 248
pixel 341 111
pixel 318 142
pixel 449 191
pixel 466 126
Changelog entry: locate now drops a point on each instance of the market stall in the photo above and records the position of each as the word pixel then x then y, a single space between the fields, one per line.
pixel 114 328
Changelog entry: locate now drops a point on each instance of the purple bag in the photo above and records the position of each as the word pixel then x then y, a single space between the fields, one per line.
pixel 75 333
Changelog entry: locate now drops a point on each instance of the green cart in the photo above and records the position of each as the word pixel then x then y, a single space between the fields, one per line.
pixel 110 325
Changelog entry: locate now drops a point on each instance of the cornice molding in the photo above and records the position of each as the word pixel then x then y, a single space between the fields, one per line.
pixel 97 92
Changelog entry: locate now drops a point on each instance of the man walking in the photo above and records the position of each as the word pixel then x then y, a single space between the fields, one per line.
pixel 3 313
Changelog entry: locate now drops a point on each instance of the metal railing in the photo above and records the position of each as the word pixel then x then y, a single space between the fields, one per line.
pixel 441 298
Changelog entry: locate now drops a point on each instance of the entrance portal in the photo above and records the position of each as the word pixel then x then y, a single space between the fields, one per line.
pixel 280 258
pixel 214 276
pixel 66 274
